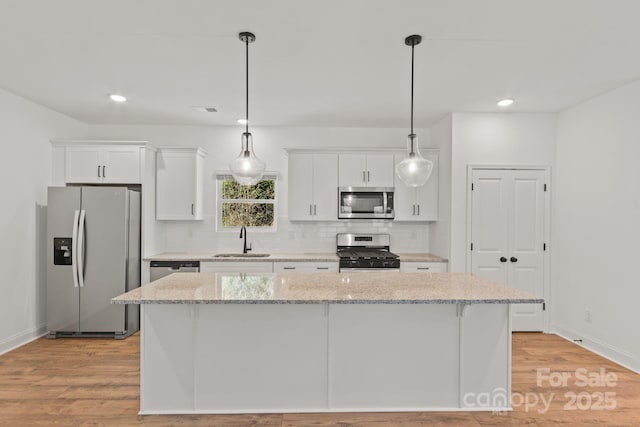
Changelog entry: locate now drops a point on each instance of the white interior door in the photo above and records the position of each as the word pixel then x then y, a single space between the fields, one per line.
pixel 507 232
pixel 526 240
pixel 489 225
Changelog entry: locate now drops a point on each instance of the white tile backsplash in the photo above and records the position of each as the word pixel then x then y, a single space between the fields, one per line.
pixel 292 236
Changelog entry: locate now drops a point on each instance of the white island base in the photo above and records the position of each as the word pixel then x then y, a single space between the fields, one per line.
pixel 324 357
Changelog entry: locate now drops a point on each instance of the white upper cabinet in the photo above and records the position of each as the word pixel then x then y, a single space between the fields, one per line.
pixel 121 164
pixel 365 170
pixel 380 170
pixel 352 170
pixel 102 164
pixel 325 187
pixel 314 177
pixel 419 203
pixel 313 186
pixel 179 183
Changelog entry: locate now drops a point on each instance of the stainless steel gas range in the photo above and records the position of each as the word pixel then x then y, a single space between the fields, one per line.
pixel 366 253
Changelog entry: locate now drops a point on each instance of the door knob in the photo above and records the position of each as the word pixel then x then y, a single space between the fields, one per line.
pixel 503 259
pixel 514 259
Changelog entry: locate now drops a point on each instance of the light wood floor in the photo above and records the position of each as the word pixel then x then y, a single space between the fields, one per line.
pixel 95 382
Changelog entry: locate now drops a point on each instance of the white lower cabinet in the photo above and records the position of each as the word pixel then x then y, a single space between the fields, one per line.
pixel 423 267
pixel 275 358
pixel 393 356
pixel 269 267
pixel 237 267
pixel 305 267
pixel 256 357
pixel 171 392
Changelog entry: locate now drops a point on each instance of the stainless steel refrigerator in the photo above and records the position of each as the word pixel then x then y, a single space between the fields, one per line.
pixel 93 255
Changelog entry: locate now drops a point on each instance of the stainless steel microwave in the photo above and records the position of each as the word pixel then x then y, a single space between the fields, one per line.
pixel 365 202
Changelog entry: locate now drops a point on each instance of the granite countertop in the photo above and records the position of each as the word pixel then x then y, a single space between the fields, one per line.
pixel 273 257
pixel 421 258
pixel 314 288
pixel 279 257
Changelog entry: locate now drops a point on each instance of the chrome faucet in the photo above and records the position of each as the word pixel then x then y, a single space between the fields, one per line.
pixel 243 233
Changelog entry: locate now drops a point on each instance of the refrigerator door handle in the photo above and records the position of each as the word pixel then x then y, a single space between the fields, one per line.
pixel 80 249
pixel 74 251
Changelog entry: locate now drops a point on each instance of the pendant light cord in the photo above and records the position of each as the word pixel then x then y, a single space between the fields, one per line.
pixel 247 86
pixel 412 51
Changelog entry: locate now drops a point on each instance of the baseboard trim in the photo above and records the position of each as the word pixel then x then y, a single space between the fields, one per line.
pixel 22 338
pixel 600 348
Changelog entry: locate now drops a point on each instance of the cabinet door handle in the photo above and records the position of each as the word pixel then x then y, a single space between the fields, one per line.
pixel 192 209
pixel 514 259
pixel 310 210
pixel 289 268
pixel 364 176
pixel 422 268
pixel 503 259
pixel 418 210
pixel 368 176
pixel 315 211
pixel 322 268
pixel 104 171
pixel 98 171
pixel 414 210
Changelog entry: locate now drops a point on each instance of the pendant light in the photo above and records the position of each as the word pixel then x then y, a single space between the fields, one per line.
pixel 414 170
pixel 247 169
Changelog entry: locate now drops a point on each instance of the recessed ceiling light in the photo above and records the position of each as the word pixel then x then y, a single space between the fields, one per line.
pixel 243 121
pixel 505 102
pixel 205 109
pixel 118 98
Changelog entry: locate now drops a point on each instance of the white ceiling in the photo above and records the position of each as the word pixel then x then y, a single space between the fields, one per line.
pixel 315 62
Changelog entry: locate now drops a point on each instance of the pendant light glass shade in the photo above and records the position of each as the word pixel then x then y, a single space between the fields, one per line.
pixel 247 169
pixel 414 170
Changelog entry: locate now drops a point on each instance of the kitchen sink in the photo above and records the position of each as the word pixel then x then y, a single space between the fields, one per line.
pixel 241 255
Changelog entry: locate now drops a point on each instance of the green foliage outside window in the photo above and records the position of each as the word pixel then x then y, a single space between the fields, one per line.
pixel 248 205
pixel 263 190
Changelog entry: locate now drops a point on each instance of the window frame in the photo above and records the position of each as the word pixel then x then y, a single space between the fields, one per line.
pixel 225 176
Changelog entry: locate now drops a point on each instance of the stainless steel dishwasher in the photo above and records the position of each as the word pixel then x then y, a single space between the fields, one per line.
pixel 160 269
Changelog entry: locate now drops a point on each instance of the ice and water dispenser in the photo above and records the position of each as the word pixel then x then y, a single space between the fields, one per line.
pixel 62 251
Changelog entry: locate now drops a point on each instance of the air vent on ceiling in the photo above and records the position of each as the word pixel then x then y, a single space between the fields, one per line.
pixel 205 109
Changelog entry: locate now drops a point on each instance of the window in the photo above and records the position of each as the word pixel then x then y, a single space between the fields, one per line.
pixel 248 205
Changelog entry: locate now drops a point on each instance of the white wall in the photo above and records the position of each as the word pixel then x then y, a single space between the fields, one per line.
pixel 440 231
pixel 223 144
pixel 596 224
pixel 25 172
pixel 493 139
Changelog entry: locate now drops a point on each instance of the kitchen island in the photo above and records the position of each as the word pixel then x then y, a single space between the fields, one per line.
pixel 324 342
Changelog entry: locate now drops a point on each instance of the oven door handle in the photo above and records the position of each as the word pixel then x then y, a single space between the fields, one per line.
pixel 369 270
